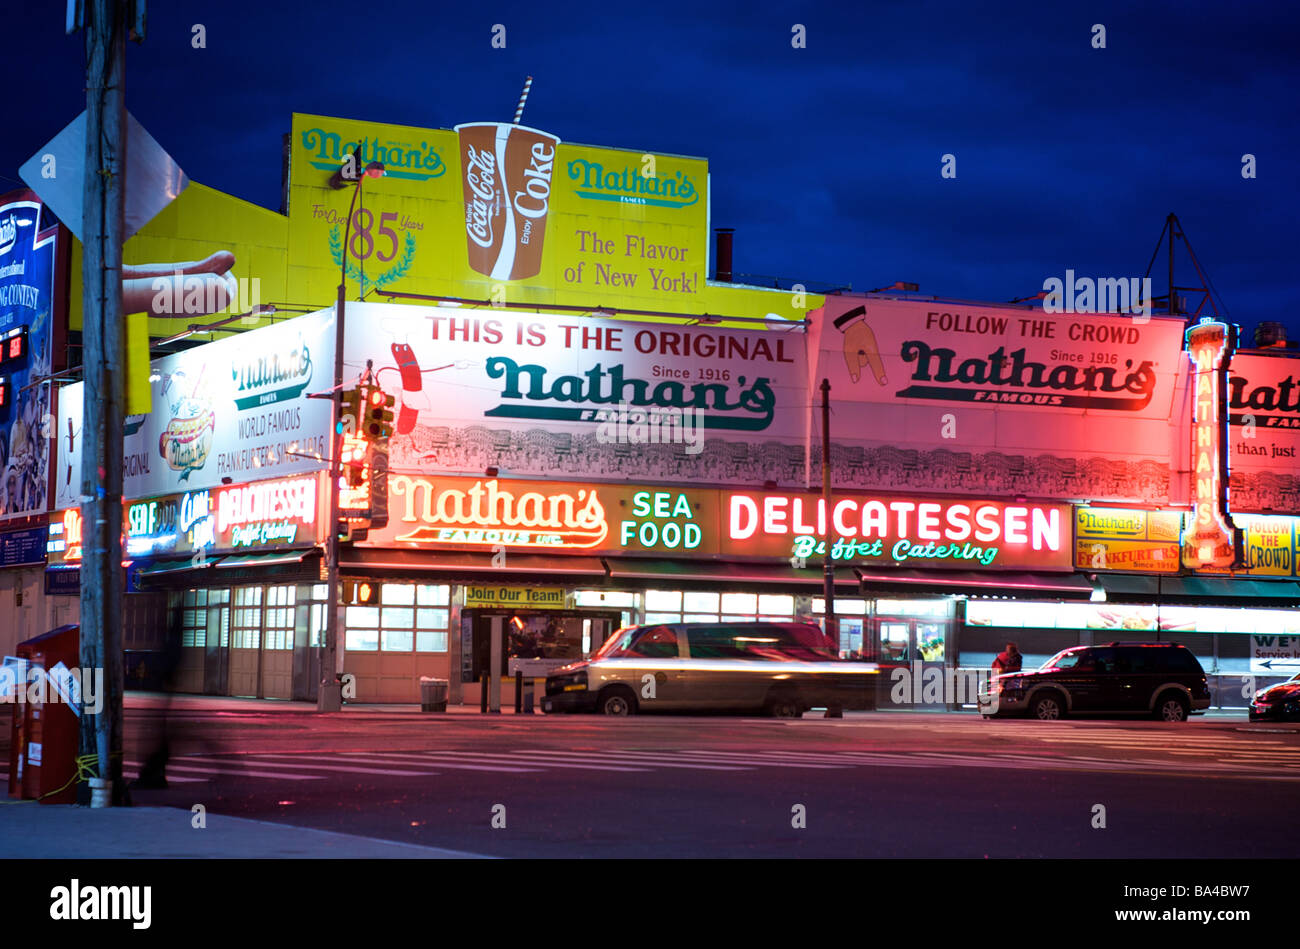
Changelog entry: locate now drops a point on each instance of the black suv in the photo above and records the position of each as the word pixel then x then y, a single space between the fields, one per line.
pixel 1159 679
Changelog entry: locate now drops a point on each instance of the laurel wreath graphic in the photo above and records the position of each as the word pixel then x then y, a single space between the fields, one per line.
pixel 367 281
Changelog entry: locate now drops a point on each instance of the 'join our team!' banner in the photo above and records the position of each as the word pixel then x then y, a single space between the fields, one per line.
pixel 996 401
pixel 493 210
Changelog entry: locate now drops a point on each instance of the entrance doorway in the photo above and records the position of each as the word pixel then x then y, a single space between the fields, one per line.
pixel 533 641
pixel 919 646
pixel 549 637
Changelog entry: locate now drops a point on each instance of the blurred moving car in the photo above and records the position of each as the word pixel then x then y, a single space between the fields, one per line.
pixel 1160 679
pixel 1280 701
pixel 781 669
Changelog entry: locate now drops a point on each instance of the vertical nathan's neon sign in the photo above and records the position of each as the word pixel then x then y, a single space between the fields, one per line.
pixel 1211 541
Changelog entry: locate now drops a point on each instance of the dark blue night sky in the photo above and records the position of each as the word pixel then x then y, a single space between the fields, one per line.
pixel 826 160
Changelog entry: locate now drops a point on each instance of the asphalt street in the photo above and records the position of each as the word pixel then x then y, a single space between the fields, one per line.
pixel 899 785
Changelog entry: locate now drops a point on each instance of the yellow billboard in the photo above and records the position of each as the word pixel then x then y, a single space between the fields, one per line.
pixel 206 256
pixel 487 212
pixel 506 214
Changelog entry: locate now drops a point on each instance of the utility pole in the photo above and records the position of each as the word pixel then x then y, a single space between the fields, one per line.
pixel 106 25
pixel 828 533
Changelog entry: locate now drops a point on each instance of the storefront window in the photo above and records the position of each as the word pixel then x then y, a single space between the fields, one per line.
pixel 279 617
pixel 740 603
pixel 246 619
pixel 606 598
pixel 433 595
pixel 846 607
pixel 397 594
pixel 700 602
pixel 704 606
pixel 362 625
pixel 935 608
pixel 658 601
pixel 409 617
pixel 780 606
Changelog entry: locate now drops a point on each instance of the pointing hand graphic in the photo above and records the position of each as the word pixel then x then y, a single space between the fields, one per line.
pixel 860 349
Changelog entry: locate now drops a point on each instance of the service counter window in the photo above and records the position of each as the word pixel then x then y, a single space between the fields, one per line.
pixel 703 606
pixel 279 617
pixel 246 618
pixel 407 618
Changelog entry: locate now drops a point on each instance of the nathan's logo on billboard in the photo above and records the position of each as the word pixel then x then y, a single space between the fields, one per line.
pixel 631 186
pixel 748 405
pixel 8 234
pixel 272 377
pixel 1244 399
pixel 443 512
pixel 506 172
pixel 418 162
pixel 1010 378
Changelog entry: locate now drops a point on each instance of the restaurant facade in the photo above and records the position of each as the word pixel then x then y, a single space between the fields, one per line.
pixel 590 433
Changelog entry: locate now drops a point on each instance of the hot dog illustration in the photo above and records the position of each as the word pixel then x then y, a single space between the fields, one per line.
pixel 412 381
pixel 185 443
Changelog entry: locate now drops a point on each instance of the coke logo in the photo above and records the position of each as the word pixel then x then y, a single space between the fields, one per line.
pixel 481 176
pixel 537 183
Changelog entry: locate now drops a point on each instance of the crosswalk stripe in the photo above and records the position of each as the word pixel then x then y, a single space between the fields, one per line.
pixel 796 759
pixel 433 762
pixel 511 757
pixel 658 760
pixel 277 761
pixel 241 773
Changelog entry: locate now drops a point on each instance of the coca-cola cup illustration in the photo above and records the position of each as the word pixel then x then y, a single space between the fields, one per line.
pixel 506 175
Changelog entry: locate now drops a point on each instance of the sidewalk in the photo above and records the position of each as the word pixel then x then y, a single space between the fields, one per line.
pixel 66 832
pixel 213 704
pixel 184 702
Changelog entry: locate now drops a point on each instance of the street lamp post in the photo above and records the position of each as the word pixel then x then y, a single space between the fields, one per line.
pixel 329 698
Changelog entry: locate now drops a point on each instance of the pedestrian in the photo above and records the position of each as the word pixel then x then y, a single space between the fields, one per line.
pixel 1008 660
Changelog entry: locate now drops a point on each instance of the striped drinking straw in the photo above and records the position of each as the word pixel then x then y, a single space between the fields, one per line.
pixel 519 112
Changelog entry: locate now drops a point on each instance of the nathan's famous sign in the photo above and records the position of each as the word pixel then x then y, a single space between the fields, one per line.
pixel 547 396
pixel 236 410
pixel 1264 430
pixel 500 211
pixel 1210 539
pixel 992 398
pixel 437 513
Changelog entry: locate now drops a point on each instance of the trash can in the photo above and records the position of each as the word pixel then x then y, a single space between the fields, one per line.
pixel 433 694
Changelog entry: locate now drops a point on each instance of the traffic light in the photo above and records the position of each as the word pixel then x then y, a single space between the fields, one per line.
pixel 360 592
pixel 378 423
pixel 349 412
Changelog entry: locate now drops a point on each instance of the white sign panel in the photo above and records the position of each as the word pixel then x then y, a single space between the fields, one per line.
pixel 992 400
pixel 550 396
pixel 236 408
pixel 153 179
pixel 1275 655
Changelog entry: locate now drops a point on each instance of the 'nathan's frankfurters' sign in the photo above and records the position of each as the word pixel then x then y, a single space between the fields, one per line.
pixel 993 400
pixel 235 410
